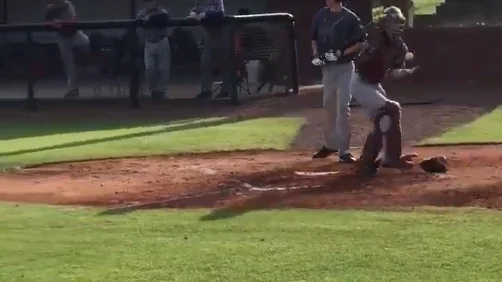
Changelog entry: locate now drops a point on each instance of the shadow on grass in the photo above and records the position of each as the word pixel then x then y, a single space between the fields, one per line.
pixel 125 136
pixel 59 117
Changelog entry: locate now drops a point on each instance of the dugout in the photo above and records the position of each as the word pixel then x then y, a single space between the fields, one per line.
pixel 30 54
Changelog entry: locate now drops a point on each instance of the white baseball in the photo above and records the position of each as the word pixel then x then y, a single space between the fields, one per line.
pixel 409 56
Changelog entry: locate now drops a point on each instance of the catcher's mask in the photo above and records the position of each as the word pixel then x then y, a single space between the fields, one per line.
pixel 393 22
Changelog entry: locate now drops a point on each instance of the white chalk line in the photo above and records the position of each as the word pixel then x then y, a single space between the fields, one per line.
pixel 244 188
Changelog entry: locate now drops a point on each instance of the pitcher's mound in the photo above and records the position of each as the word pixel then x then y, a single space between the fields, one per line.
pixel 260 179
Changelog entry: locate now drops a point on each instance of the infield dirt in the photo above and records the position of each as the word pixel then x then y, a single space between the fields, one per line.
pixel 248 180
pixel 260 180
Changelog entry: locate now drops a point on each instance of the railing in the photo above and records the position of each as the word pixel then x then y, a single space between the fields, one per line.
pixel 265 41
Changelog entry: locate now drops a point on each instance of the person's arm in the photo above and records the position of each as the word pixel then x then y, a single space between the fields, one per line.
pixel 357 36
pixel 141 16
pixel 198 7
pixel 314 34
pixel 399 69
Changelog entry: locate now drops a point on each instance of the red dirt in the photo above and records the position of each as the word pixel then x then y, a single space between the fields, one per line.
pixel 231 180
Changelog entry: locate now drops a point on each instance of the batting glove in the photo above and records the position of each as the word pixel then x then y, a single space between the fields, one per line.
pixel 317 61
pixel 332 56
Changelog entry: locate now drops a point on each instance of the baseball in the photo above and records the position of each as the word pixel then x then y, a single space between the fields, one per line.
pixel 409 56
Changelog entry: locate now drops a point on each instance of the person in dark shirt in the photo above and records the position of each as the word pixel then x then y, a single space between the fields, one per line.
pixel 157 51
pixel 216 48
pixel 385 53
pixel 337 36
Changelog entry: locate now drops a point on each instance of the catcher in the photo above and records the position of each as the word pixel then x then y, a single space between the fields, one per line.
pixel 385 53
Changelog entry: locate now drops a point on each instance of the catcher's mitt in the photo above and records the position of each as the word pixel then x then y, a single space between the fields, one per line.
pixel 434 165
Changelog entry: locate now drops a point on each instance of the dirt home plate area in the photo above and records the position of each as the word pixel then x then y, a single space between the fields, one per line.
pixel 268 179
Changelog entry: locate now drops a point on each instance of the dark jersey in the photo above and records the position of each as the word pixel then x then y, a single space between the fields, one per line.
pixel 379 57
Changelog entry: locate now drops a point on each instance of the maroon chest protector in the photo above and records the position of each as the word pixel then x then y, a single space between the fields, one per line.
pixel 377 59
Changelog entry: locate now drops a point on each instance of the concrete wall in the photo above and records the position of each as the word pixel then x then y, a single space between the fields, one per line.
pixel 457 54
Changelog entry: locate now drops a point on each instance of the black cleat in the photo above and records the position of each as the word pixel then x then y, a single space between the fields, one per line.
pixel 204 96
pixel 222 95
pixel 324 152
pixel 369 170
pixel 347 159
pixel 72 94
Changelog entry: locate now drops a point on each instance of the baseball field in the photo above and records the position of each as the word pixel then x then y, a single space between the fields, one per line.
pixel 216 193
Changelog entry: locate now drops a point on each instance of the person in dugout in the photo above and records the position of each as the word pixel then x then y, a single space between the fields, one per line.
pixel 63 11
pixel 157 51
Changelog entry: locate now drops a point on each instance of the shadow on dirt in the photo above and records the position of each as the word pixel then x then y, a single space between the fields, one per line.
pixel 282 188
pixel 486 196
pixel 347 191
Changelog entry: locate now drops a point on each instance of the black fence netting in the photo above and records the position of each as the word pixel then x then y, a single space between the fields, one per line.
pixel 106 60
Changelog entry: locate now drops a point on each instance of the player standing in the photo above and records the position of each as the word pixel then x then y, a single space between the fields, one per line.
pixel 216 46
pixel 58 12
pixel 384 53
pixel 157 50
pixel 337 37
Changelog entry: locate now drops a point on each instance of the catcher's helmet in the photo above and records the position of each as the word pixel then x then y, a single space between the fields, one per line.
pixel 393 22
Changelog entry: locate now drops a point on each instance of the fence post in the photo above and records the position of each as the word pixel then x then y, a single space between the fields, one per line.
pixel 134 76
pixel 31 103
pixel 294 56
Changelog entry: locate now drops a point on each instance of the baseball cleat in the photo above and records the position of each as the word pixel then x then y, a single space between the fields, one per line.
pixel 347 159
pixel 368 169
pixel 324 152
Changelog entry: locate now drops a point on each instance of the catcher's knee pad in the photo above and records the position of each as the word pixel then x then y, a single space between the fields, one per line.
pixel 389 123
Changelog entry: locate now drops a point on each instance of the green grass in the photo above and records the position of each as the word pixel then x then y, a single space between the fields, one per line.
pixel 426 7
pixel 422 7
pixel 482 130
pixel 47 244
pixel 29 143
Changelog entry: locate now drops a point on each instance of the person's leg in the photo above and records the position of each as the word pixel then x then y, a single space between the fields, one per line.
pixel 206 65
pixel 164 65
pixel 225 60
pixel 393 149
pixel 151 72
pixel 66 50
pixel 343 112
pixel 329 83
pixel 80 40
pixel 374 101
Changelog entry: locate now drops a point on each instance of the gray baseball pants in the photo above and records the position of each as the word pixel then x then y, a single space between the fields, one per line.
pixel 66 46
pixel 216 46
pixel 371 97
pixel 336 101
pixel 157 64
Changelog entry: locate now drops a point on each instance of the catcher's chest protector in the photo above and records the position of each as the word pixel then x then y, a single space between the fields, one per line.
pixel 379 57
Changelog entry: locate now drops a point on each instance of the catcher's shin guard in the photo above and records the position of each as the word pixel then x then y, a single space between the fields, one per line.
pixel 390 125
pixel 367 163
